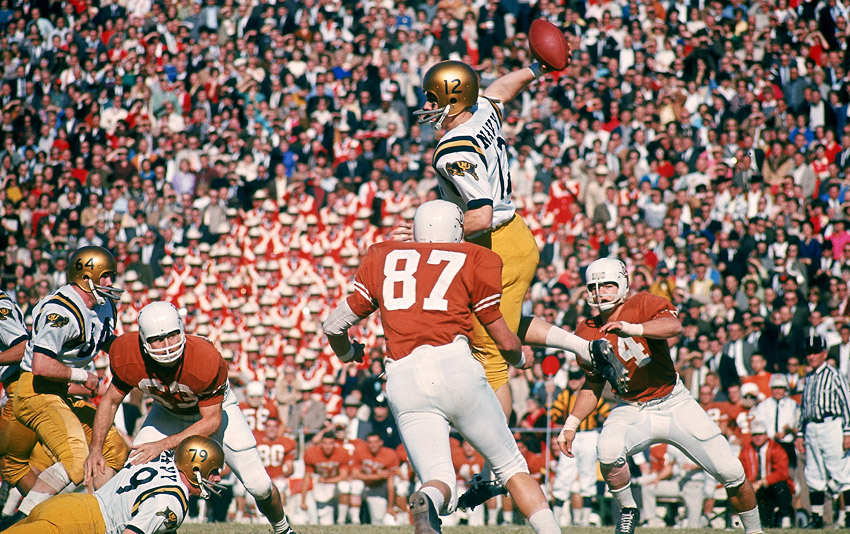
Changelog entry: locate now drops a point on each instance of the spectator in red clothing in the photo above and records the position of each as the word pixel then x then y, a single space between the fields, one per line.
pixel 766 466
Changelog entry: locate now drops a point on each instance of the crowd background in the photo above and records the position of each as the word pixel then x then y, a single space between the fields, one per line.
pixel 238 157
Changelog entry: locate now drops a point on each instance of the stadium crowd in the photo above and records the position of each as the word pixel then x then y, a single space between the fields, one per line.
pixel 238 158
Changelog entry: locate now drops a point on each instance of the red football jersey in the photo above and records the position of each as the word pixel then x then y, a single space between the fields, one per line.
pixel 536 463
pixel 438 285
pixel 370 463
pixel 717 411
pixel 352 446
pixel 200 379
pixel 257 417
pixel 315 461
pixel 466 466
pixel 647 362
pixel 275 452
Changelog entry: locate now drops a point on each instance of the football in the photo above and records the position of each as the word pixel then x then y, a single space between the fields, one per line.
pixel 548 44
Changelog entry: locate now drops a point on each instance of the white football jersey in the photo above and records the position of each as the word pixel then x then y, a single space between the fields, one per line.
pixel 65 329
pixel 147 498
pixel 472 163
pixel 12 331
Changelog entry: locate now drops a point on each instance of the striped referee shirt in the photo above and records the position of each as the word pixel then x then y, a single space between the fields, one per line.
pixel 563 405
pixel 826 394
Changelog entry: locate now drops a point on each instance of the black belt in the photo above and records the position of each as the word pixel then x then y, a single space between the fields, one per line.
pixel 823 419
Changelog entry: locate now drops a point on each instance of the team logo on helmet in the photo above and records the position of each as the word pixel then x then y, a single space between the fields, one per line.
pixel 459 168
pixel 56 320
pixel 4 312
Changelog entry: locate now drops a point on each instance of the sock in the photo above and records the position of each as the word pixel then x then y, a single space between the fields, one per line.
pixel 751 521
pixel 342 511
pixel 281 526
pixel 624 497
pixel 354 512
pixel 12 501
pixel 558 338
pixel 492 515
pixel 33 499
pixel 543 522
pixel 435 495
pixel 508 516
pixel 584 516
pixel 558 512
pixel 817 498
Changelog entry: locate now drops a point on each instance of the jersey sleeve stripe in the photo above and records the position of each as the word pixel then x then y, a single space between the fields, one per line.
pixel 48 352
pixel 360 288
pixel 459 144
pixel 478 202
pixel 496 109
pixel 174 491
pixel 21 339
pixel 487 302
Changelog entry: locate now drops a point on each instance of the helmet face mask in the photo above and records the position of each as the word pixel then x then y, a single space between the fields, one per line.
pixel 87 266
pixel 451 86
pixel 160 321
pixel 606 271
pixel 199 458
pixel 438 221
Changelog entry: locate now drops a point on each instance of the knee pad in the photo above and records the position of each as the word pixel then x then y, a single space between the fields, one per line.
pixel 730 473
pixel 248 467
pixel 344 487
pixel 611 452
pixel 513 466
pixel 56 477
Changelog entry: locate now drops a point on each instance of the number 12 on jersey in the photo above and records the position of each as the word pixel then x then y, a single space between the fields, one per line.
pixel 400 267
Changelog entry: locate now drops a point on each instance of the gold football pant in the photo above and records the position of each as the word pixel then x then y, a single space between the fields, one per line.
pixel 63 428
pixel 515 244
pixel 68 513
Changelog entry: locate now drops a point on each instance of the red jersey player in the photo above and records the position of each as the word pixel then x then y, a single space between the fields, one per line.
pixel 277 452
pixel 657 406
pixel 330 464
pixel 187 378
pixel 257 408
pixel 428 292
pixel 376 466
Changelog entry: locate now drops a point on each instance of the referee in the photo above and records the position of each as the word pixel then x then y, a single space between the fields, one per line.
pixel 575 478
pixel 824 430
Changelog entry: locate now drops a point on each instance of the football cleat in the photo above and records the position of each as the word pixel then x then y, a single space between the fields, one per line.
pixel 425 518
pixel 601 356
pixel 629 518
pixel 816 522
pixel 479 492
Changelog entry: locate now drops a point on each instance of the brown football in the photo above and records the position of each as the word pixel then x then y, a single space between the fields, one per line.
pixel 548 44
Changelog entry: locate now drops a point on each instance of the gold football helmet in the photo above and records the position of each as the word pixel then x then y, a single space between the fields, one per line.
pixel 85 269
pixel 200 457
pixel 452 86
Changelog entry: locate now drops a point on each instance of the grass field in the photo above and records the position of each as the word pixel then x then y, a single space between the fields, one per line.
pixel 232 528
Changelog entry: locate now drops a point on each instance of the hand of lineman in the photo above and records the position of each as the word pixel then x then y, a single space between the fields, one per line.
pixel 620 328
pixel 91 382
pixel 565 441
pixel 800 445
pixel 95 464
pixel 146 452
pixel 403 232
pixel 529 357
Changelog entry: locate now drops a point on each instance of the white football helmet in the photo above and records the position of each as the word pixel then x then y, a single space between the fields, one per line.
pixel 604 271
pixel 159 319
pixel 438 221
pixel 254 394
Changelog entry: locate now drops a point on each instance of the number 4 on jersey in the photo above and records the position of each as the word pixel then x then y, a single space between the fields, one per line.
pixel 400 267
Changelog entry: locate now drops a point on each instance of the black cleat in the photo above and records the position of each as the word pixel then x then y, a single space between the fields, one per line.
pixel 815 522
pixel 479 492
pixel 11 520
pixel 629 518
pixel 425 518
pixel 601 356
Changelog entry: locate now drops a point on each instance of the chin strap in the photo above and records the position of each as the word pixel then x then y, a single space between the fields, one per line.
pixel 206 486
pixel 433 116
pixel 100 300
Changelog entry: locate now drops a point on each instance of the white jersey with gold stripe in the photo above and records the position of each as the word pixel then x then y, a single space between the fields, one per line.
pixel 471 162
pixel 67 330
pixel 12 331
pixel 148 498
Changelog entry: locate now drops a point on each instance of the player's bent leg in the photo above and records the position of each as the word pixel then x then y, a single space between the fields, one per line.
pixel 64 514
